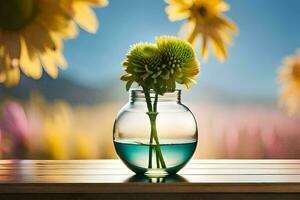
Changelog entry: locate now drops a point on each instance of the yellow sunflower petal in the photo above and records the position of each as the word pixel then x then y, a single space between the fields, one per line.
pixel 204 47
pixel 55 20
pixel 180 2
pixel 59 59
pixel 71 31
pixel 223 7
pixel 2 76
pixel 219 47
pixel 57 39
pixel 177 13
pixel 12 77
pixel 9 74
pixel 29 62
pixel 101 3
pixel 192 37
pixel 225 36
pixel 49 66
pixel 289 78
pixel 186 29
pixel 11 45
pixel 40 40
pixel 85 17
pixel 2 66
pixel 228 24
pixel 208 19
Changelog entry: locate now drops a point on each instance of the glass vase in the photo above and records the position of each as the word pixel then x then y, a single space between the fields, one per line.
pixel 155 135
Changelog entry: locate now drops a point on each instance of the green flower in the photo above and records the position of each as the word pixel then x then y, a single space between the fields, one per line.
pixel 142 60
pixel 179 62
pixel 160 66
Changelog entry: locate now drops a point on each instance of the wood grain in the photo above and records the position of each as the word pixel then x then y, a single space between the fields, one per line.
pixel 92 179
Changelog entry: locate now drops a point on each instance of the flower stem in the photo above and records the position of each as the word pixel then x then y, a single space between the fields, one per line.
pixel 150 152
pixel 155 103
pixel 152 113
pixel 155 110
pixel 149 106
pixel 155 137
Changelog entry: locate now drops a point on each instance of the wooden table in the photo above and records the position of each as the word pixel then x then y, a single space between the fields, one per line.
pixel 110 179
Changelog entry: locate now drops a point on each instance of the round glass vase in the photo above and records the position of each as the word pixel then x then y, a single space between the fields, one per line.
pixel 155 135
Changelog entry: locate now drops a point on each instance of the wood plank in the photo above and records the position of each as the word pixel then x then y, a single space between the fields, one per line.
pixel 150 188
pixel 111 176
pixel 151 196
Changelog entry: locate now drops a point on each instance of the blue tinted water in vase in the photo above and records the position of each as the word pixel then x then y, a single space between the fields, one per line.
pixel 136 156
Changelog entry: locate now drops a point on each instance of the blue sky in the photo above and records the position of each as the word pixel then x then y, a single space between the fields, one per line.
pixel 269 30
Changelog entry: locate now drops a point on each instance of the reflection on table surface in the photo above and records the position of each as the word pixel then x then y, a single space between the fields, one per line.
pixel 114 171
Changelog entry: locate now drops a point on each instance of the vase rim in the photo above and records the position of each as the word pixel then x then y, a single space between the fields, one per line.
pixel 152 91
pixel 136 94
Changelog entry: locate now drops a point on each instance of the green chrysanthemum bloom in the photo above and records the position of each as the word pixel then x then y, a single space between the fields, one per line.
pixel 160 66
pixel 141 61
pixel 179 62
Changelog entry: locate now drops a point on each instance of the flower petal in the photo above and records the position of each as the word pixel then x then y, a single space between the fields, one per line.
pixel 192 38
pixel 29 62
pixel 180 2
pixel 11 75
pixel 12 45
pixel 219 47
pixel 85 17
pixel 225 36
pixel 186 29
pixel 229 24
pixel 204 51
pixel 49 66
pixel 101 3
pixel 177 13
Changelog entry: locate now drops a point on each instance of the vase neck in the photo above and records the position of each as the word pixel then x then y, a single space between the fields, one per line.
pixel 139 95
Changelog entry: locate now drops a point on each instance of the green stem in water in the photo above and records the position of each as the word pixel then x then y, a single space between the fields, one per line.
pixel 157 146
pixel 149 106
pixel 155 110
pixel 152 116
pixel 150 152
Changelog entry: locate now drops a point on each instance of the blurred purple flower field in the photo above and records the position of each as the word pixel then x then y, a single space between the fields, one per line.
pixel 40 129
pixel 246 132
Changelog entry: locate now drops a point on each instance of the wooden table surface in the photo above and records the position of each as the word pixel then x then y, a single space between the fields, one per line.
pixel 110 179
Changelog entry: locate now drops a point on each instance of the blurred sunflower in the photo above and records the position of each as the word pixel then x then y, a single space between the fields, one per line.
pixel 289 77
pixel 204 18
pixel 32 34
